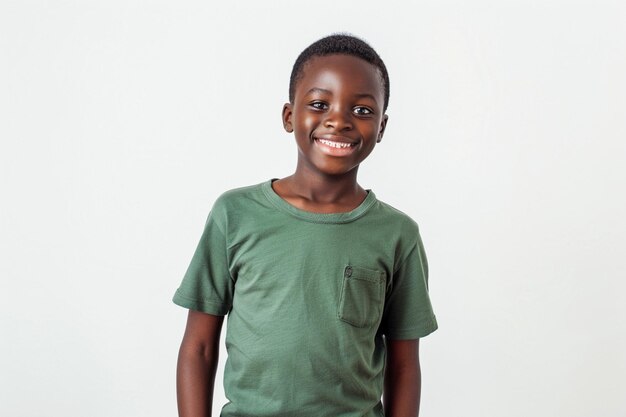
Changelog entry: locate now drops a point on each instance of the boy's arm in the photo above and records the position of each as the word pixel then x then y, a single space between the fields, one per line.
pixel 403 379
pixel 197 364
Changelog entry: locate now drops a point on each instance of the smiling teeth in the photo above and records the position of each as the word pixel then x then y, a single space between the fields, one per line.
pixel 335 144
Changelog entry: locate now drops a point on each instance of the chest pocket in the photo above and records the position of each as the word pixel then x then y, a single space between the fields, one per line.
pixel 362 296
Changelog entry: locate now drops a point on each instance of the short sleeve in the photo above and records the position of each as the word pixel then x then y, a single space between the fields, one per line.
pixel 408 311
pixel 207 285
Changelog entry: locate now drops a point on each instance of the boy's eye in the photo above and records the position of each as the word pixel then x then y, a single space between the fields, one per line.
pixel 319 105
pixel 362 111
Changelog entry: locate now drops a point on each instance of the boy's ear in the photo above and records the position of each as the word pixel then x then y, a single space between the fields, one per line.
pixel 287 113
pixel 381 131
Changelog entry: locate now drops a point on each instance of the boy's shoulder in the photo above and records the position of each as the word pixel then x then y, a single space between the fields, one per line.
pixel 234 197
pixel 234 194
pixel 396 216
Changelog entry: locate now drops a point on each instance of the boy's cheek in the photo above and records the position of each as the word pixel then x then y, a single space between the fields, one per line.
pixel 308 124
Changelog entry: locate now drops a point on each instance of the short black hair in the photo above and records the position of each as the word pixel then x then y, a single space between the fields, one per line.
pixel 339 43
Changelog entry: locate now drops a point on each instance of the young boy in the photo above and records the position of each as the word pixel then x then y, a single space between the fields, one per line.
pixel 325 286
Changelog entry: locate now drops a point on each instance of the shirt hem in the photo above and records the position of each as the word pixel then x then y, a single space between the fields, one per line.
pixel 205 306
pixel 428 326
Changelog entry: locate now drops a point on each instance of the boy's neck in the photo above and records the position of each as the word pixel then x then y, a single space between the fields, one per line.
pixel 321 193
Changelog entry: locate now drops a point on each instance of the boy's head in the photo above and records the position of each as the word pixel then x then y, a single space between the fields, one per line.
pixel 344 45
pixel 338 94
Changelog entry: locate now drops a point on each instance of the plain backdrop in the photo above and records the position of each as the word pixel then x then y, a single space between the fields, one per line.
pixel 122 121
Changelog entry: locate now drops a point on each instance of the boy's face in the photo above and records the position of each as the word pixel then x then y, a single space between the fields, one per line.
pixel 337 113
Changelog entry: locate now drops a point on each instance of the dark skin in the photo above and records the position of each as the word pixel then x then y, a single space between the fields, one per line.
pixel 339 98
pixel 197 363
pixel 403 379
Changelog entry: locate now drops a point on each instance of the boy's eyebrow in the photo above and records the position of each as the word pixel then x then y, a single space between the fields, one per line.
pixel 366 95
pixel 318 90
pixel 324 91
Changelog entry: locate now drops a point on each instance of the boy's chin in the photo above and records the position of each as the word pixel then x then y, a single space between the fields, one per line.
pixel 336 171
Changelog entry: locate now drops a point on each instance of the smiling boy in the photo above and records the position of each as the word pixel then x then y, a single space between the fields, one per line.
pixel 324 285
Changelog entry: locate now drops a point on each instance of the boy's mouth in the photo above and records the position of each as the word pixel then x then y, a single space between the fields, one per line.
pixel 335 147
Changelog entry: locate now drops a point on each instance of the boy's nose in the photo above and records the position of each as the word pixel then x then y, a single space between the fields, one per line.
pixel 338 120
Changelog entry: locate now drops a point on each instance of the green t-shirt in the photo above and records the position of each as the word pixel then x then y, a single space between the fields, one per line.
pixel 310 299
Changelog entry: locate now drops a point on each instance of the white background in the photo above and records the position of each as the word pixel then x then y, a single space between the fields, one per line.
pixel 122 121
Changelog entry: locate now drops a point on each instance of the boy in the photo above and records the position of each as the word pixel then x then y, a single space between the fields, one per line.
pixel 325 287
